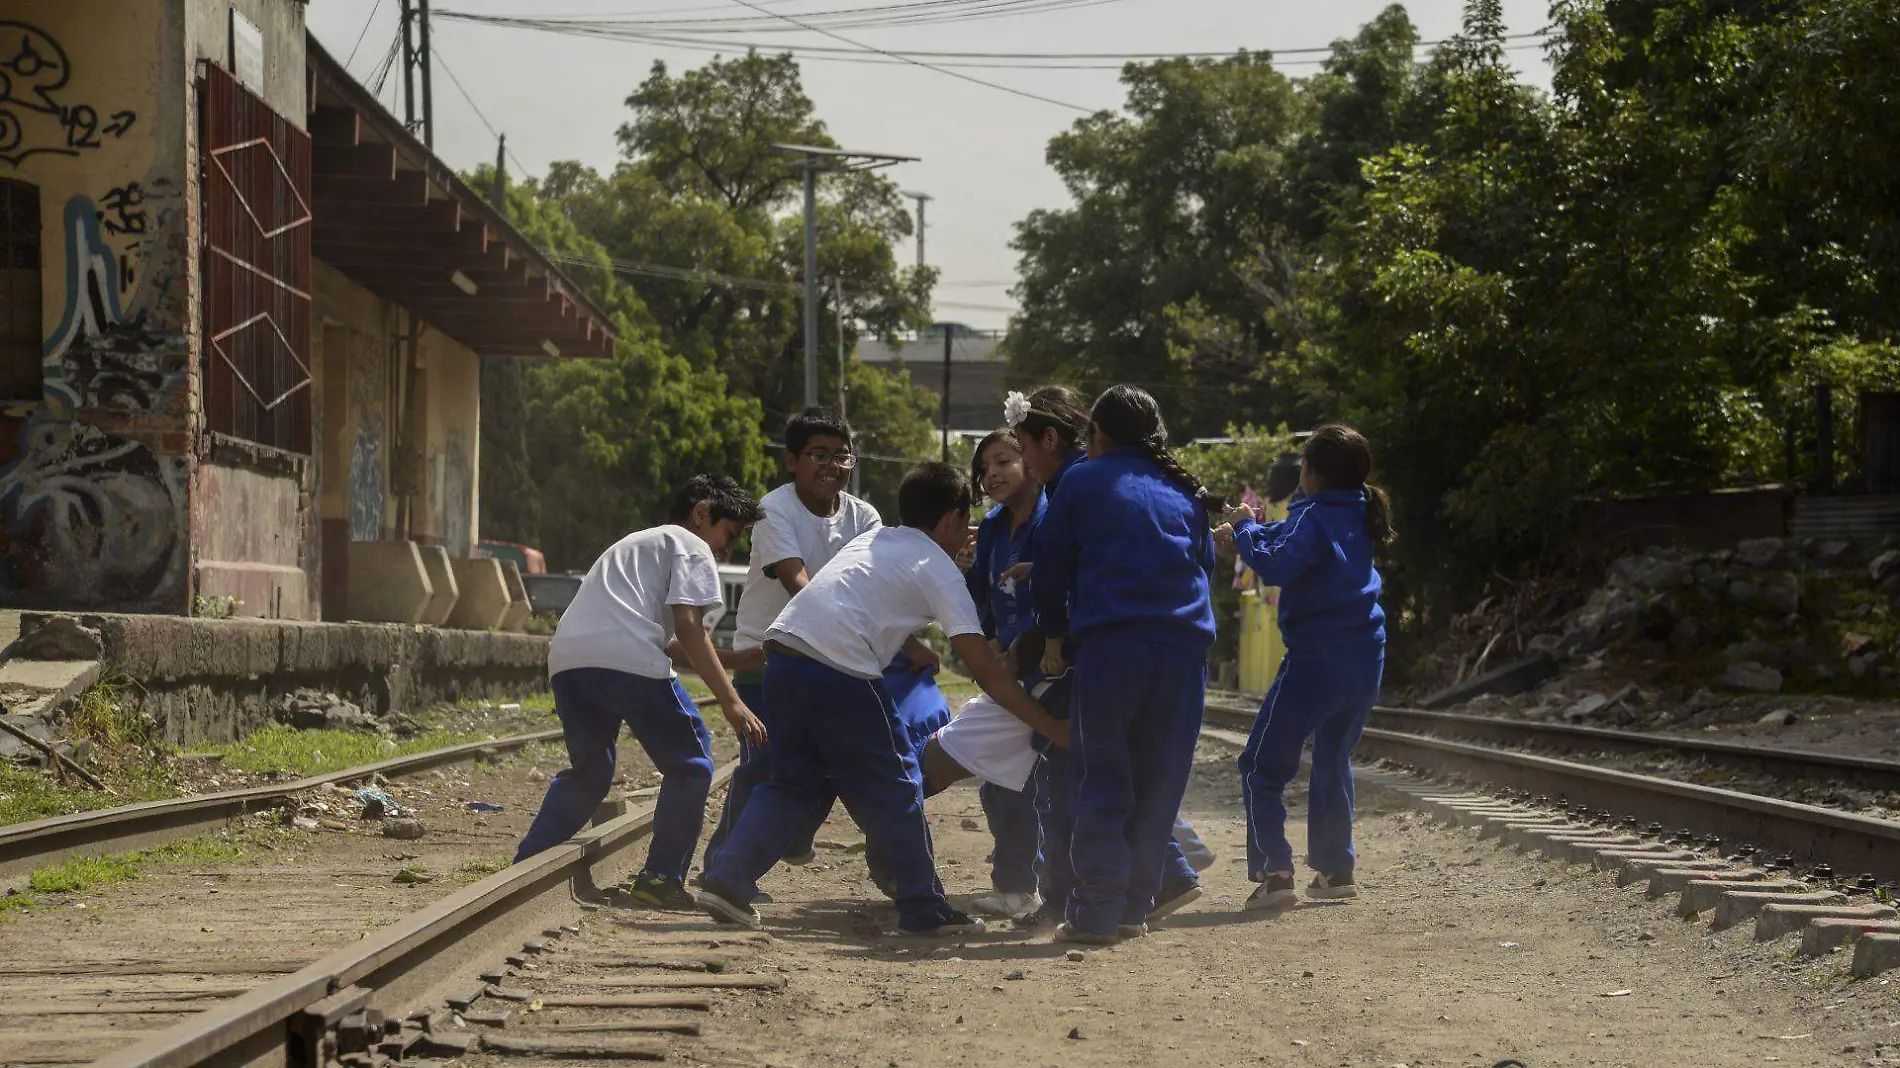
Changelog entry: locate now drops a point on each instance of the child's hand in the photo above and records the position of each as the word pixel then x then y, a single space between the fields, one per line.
pixel 744 723
pixel 1240 513
pixel 1224 537
pixel 1053 663
pixel 1017 573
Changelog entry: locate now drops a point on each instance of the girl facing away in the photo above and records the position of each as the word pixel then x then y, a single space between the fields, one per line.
pixel 1321 558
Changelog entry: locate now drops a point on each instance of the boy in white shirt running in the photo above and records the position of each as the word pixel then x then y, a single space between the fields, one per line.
pixel 608 665
pixel 833 720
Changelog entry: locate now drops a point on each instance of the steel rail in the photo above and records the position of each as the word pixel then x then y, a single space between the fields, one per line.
pixel 1846 842
pixel 395 968
pixel 1833 768
pixel 26 846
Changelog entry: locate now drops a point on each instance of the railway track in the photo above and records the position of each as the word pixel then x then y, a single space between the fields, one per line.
pixel 1794 833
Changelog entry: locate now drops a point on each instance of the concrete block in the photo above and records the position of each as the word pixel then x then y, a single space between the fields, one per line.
pixel 272 591
pixel 1699 895
pixel 1616 859
pixel 1876 953
pixel 518 607
pixel 443 590
pixel 1582 848
pixel 1777 920
pixel 1828 933
pixel 1672 879
pixel 483 602
pixel 1738 905
pixel 388 582
pixel 1640 869
pixel 1517 833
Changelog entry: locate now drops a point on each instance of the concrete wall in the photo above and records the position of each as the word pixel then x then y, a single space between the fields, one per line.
pixel 96 471
pixel 209 681
pixel 93 469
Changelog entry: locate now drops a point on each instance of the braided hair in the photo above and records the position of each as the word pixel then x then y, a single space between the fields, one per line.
pixel 1128 415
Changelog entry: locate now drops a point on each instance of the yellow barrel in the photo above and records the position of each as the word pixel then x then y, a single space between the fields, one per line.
pixel 1260 645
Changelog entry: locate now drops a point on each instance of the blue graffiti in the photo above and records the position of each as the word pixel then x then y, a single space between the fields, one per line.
pixel 98 357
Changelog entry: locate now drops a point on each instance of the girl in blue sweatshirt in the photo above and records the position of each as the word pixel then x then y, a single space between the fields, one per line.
pixel 1320 556
pixel 1121 588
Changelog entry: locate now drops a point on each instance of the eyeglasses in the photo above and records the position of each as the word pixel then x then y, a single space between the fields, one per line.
pixel 843 458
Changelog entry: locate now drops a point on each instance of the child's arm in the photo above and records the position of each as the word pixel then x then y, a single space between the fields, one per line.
pixel 1055 556
pixel 1280 552
pixel 991 673
pixel 705 660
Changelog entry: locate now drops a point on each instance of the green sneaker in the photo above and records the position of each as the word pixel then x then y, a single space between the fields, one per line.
pixel 661 892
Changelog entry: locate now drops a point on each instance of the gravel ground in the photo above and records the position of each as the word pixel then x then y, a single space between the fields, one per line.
pixel 1458 953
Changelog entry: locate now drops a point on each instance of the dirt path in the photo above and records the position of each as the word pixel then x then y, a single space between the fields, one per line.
pixel 1460 953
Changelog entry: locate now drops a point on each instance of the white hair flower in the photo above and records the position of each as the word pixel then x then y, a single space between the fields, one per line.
pixel 1015 409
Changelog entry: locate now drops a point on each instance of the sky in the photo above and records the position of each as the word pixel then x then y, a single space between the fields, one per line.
pixel 981 150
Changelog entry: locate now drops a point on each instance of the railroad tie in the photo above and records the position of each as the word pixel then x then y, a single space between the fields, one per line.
pixel 1781 919
pixel 1827 934
pixel 575 1048
pixel 1666 881
pixel 1700 895
pixel 1615 859
pixel 1875 953
pixel 1642 869
pixel 1739 905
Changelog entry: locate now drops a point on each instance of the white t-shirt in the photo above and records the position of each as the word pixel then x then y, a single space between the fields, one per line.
pixel 790 531
pixel 873 595
pixel 622 617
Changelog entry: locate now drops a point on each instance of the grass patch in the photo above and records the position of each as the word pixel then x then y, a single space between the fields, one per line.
pixel 79 875
pixel 474 871
pixel 127 752
pixel 285 750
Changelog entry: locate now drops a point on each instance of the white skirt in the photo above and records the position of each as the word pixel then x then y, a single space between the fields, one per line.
pixel 991 744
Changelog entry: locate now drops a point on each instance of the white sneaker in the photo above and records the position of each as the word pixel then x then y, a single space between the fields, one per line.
pixel 1008 906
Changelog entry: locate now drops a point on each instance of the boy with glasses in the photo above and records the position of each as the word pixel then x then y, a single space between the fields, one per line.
pixel 807 521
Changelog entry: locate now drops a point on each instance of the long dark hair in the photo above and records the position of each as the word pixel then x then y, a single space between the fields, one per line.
pixel 1056 408
pixel 1128 415
pixel 1342 458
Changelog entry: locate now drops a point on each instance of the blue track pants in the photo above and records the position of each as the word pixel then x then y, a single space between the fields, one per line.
pixel 1326 697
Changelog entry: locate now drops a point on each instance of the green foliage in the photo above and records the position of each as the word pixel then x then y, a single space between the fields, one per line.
pixel 287 750
pixel 1634 285
pixel 707 369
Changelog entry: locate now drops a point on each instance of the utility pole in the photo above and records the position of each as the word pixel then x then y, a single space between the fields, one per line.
pixel 923 199
pixel 500 195
pixel 813 160
pixel 837 303
pixel 415 58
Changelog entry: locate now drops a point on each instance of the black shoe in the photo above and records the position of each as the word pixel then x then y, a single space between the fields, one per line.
pixel 726 905
pixel 1275 892
pixel 951 923
pixel 1173 898
pixel 1335 887
pixel 661 892
pixel 1049 915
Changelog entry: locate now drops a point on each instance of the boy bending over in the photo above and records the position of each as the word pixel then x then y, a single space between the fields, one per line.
pixel 609 664
pixel 833 717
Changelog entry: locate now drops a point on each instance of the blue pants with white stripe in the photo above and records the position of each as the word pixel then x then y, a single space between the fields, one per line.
pixel 831 730
pixel 1135 720
pixel 1325 696
pixel 592 704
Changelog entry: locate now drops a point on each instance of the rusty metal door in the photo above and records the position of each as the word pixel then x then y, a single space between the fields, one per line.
pixel 254 173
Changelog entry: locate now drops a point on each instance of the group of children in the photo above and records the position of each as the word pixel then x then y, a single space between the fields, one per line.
pixel 1085 615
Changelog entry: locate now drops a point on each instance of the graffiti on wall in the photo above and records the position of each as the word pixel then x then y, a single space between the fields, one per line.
pixel 90 519
pixel 98 356
pixel 366 480
pixel 39 113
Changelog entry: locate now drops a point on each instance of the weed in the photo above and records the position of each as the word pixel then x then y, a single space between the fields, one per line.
pixel 286 750
pixel 470 871
pixel 14 904
pixel 413 874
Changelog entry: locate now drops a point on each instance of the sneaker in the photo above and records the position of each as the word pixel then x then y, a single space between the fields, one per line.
pixel 1008 906
pixel 661 892
pixel 1332 887
pixel 1173 899
pixel 953 923
pixel 723 905
pixel 1131 930
pixel 1049 915
pixel 1275 892
pixel 1074 935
